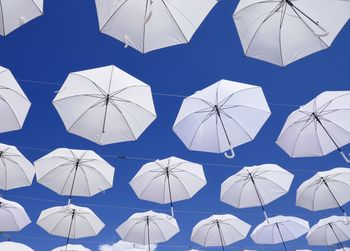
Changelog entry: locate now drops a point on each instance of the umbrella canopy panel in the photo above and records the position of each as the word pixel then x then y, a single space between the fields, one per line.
pixel 319 127
pixel 268 29
pixel 15 13
pixel 329 189
pixel 15 170
pixel 14 104
pixel 70 221
pixel 74 172
pixel 13 216
pixel 14 246
pixel 222 116
pixel 148 228
pixel 256 186
pixel 71 247
pixel 152 24
pixel 219 231
pixel 105 105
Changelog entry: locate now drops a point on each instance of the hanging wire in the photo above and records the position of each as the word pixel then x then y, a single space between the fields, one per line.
pixel 154 93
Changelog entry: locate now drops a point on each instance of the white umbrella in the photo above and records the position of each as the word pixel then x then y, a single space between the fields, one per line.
pixel 222 116
pixel 15 13
pixel 219 231
pixel 319 127
pixel 15 170
pixel 168 180
pixel 14 246
pixel 343 249
pixel 74 172
pixel 13 216
pixel 148 228
pixel 329 231
pixel 14 104
pixel 71 247
pixel 152 24
pixel 256 186
pixel 105 105
pixel 70 221
pixel 279 229
pixel 268 29
pixel 325 190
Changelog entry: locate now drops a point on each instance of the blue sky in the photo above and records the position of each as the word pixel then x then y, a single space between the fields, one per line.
pixel 67 39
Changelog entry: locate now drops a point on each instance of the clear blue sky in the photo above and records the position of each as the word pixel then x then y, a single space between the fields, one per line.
pixel 67 39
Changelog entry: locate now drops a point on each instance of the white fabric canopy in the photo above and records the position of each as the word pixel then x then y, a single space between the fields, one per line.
pixel 15 170
pixel 14 246
pixel 219 231
pixel 14 104
pixel 71 247
pixel 105 105
pixel 15 13
pixel 74 172
pixel 329 231
pixel 147 25
pixel 148 228
pixel 279 229
pixel 256 186
pixel 13 216
pixel 281 32
pixel 70 221
pixel 222 116
pixel 328 189
pixel 168 180
pixel 319 127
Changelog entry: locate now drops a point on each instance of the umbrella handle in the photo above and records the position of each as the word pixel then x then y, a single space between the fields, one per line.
pixel 323 33
pixel 230 156
pixel 347 222
pixel 347 160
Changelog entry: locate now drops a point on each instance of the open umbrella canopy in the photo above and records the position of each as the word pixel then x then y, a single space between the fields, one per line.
pixel 222 116
pixel 148 228
pixel 15 170
pixel 74 172
pixel 148 25
pixel 279 229
pixel 268 29
pixel 70 221
pixel 14 104
pixel 219 231
pixel 14 246
pixel 319 127
pixel 256 186
pixel 71 247
pixel 13 216
pixel 15 13
pixel 329 231
pixel 168 180
pixel 105 105
pixel 325 190
pixel 343 249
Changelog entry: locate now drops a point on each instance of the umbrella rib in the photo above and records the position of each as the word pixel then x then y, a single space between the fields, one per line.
pixel 128 101
pixel 144 28
pixel 318 37
pixel 257 3
pixel 242 106
pixel 3 20
pixel 87 110
pixel 36 5
pixel 177 24
pixel 131 228
pixel 299 134
pixel 52 170
pixel 79 95
pixel 91 81
pixel 16 163
pixel 277 7
pixel 194 135
pixel 96 170
pixel 59 222
pixel 283 12
pixel 12 111
pixel 20 94
pixel 113 15
pixel 224 101
pixel 86 179
pixel 239 125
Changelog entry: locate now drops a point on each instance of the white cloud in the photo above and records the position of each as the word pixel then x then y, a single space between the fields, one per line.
pixel 125 246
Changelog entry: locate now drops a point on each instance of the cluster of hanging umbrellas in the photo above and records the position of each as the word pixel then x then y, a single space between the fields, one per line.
pixel 107 105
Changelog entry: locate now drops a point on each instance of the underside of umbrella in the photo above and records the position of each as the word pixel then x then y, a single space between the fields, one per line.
pixel 147 25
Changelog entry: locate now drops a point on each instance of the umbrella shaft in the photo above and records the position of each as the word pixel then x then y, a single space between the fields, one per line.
pixel 329 189
pixel 222 124
pixel 258 194
pixel 279 231
pixel 148 235
pixel 220 234
pixel 336 236
pixel 74 177
pixel 70 228
pixel 303 13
